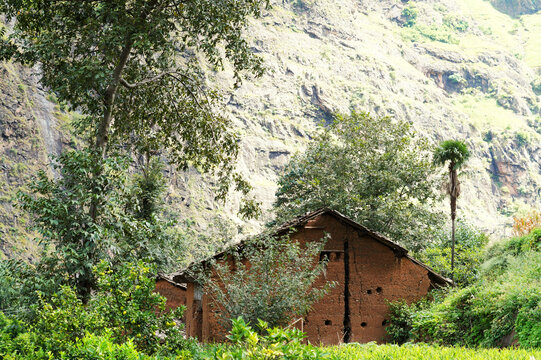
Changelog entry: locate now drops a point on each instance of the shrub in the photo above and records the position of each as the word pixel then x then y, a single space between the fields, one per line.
pixel 528 323
pixel 63 320
pixel 504 299
pixel 409 14
pixel 269 278
pixel 524 224
pixel 468 249
pixel 457 78
pixel 127 303
pixel 521 139
pixel 401 321
pixel 93 347
pixel 456 23
pixel 123 320
pixel 536 85
pixel 273 343
pixel 437 33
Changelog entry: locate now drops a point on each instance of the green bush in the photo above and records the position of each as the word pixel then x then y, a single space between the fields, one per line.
pixel 456 23
pixel 536 85
pixel 457 78
pixel 505 298
pixel 528 320
pixel 126 302
pixel 409 14
pixel 275 343
pixel 521 139
pixel 437 33
pixel 469 253
pixel 268 278
pixel 401 320
pixel 124 319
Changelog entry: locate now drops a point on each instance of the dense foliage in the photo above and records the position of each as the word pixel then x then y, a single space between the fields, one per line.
pixel 122 319
pixel 374 170
pixel 501 308
pixel 266 343
pixel 135 69
pixel 470 244
pixel 268 278
pixel 127 227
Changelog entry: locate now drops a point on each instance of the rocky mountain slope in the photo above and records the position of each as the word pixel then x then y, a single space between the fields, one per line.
pixel 453 68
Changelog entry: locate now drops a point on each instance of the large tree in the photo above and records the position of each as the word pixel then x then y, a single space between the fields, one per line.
pixel 374 170
pixel 455 153
pixel 135 68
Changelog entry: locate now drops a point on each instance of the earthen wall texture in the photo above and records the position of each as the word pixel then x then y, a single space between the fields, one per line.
pixel 376 276
pixel 175 295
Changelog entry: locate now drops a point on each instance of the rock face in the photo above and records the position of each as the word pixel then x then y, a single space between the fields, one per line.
pixel 517 7
pixel 457 69
pixel 469 84
pixel 29 132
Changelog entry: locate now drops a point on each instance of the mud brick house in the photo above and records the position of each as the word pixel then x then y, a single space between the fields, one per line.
pixel 369 270
pixel 175 293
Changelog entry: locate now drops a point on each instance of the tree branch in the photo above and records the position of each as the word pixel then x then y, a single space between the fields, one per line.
pixel 146 81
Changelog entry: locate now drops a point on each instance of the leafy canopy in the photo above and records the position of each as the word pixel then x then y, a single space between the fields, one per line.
pixel 136 70
pixel 454 151
pixel 128 227
pixel 374 170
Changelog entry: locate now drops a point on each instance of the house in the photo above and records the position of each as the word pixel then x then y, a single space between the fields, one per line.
pixel 369 270
pixel 175 293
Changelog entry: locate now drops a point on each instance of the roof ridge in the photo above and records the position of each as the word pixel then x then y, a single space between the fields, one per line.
pixel 303 219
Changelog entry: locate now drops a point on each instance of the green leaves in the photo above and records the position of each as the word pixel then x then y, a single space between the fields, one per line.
pixel 269 279
pixel 124 319
pixel 266 344
pixel 374 170
pixel 127 227
pixel 470 244
pixel 136 69
pixel 130 308
pixel 454 151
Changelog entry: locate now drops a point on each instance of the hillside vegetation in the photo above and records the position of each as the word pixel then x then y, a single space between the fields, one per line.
pixel 452 68
pixel 501 308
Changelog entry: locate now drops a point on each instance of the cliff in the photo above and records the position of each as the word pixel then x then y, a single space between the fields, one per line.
pixel 453 68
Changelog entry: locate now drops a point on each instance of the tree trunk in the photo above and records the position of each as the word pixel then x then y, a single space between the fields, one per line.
pixel 453 192
pixel 103 131
pixel 110 94
pixel 453 249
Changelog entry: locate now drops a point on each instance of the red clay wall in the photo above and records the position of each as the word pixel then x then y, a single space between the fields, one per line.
pixel 175 295
pixel 375 275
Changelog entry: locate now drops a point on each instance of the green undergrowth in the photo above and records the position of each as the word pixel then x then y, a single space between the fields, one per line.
pixel 502 308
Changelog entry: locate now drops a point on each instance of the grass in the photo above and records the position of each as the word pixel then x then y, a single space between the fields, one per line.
pixel 532 47
pixel 519 37
pixel 484 112
pixel 422 352
pixel 500 26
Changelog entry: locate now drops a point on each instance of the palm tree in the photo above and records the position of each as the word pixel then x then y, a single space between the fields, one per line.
pixel 456 153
